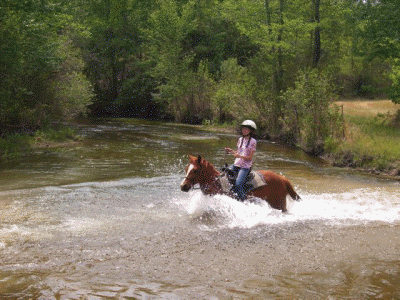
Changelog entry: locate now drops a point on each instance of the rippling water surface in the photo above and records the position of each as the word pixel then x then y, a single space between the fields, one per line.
pixel 106 219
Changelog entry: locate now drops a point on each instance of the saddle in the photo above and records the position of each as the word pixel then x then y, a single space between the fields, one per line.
pixel 253 181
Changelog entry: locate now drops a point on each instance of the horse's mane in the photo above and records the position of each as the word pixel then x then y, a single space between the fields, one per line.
pixel 205 163
pixel 209 165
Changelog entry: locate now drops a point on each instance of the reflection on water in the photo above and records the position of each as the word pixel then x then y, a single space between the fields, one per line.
pixel 371 280
pixel 106 220
pixel 374 280
pixel 108 152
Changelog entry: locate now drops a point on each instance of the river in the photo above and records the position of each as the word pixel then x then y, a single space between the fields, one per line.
pixel 105 219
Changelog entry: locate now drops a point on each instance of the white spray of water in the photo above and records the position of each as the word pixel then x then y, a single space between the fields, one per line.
pixel 356 207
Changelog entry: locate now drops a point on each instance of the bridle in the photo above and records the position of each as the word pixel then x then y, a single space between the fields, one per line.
pixel 215 180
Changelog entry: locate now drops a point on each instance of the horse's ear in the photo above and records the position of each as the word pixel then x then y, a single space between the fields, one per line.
pixel 199 159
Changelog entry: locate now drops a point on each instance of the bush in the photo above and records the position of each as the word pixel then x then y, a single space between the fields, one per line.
pixel 71 91
pixel 308 114
pixel 13 146
pixel 394 90
pixel 232 99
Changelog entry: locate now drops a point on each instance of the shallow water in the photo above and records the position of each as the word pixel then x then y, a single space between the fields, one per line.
pixel 106 220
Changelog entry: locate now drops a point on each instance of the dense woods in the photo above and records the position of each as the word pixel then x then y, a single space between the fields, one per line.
pixel 279 62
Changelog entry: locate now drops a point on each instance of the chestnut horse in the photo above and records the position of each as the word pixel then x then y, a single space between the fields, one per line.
pixel 203 172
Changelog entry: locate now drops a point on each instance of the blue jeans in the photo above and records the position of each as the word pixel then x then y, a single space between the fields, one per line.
pixel 238 188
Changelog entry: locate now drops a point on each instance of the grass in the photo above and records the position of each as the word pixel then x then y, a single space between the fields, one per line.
pixel 14 146
pixel 368 108
pixel 50 138
pixel 372 137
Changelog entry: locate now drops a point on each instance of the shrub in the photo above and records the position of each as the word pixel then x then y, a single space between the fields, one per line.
pixel 232 99
pixel 308 114
pixel 13 146
pixel 394 90
pixel 71 91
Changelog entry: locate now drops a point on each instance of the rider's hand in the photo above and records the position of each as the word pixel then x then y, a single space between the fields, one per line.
pixel 228 150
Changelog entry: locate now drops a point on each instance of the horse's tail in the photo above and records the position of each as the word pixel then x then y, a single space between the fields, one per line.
pixel 291 191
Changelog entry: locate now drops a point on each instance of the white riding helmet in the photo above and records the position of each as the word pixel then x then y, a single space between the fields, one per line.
pixel 250 123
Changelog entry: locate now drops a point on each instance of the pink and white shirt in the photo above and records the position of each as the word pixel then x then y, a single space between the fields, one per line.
pixel 243 149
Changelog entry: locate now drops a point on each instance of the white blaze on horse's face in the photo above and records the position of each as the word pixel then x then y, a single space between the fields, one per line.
pixel 190 168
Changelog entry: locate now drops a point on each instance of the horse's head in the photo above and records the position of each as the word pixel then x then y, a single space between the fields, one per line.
pixel 198 171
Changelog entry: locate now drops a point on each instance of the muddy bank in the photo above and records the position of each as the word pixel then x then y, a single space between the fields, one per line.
pixel 347 160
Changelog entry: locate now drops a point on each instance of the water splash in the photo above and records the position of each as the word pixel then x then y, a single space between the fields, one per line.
pixel 350 208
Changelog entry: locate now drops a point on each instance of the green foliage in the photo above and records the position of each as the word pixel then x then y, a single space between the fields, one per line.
pixel 371 143
pixel 215 39
pixel 207 59
pixel 54 135
pixel 30 40
pixel 136 97
pixel 168 25
pixel 13 146
pixel 307 110
pixel 110 51
pixel 18 145
pixel 71 90
pixel 231 98
pixel 380 30
pixel 25 64
pixel 382 26
pixel 394 90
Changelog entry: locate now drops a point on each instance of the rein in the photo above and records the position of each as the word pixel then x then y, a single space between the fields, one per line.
pixel 205 175
pixel 193 188
pixel 215 183
pixel 216 180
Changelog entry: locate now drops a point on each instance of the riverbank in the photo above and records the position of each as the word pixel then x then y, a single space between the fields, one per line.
pixel 17 145
pixel 107 219
pixel 371 138
pixel 370 141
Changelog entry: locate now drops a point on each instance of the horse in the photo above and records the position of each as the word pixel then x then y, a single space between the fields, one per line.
pixel 200 171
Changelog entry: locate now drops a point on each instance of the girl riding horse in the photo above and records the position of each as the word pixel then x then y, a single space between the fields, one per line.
pixel 246 147
pixel 200 171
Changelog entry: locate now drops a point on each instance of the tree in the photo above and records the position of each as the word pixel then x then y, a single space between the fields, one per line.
pixel 30 37
pixel 382 32
pixel 281 31
pixel 168 26
pixel 232 96
pixel 307 111
pixel 317 33
pixel 112 51
pixel 71 90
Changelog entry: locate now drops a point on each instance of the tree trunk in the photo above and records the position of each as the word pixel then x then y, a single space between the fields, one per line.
pixel 279 71
pixel 317 38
